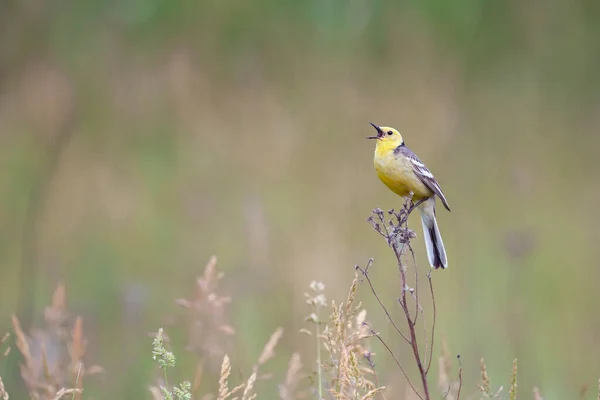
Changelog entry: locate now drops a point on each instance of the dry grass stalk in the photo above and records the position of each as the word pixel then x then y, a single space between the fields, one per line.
pixel 223 384
pixel 345 344
pixel 205 321
pixel 317 300
pixel 512 393
pixel 247 395
pixel 22 343
pixel 206 315
pixel 269 349
pixel 287 390
pixel 486 389
pixel 207 327
pixel 53 356
pixel 485 386
pixel 267 353
pixel 3 393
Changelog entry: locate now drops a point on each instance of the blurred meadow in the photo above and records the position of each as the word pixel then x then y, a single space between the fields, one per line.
pixel 140 137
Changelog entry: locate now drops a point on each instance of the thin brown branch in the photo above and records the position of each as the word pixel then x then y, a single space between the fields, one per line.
pixel 411 327
pixel 409 320
pixel 433 324
pixel 365 273
pixel 420 309
pixel 375 334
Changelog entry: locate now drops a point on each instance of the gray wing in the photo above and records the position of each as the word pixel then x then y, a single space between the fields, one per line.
pixel 423 173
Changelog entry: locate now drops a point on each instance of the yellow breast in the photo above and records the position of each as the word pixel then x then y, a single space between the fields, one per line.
pixel 396 172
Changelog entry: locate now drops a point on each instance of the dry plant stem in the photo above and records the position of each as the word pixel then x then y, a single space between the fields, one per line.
pixel 432 324
pixel 512 393
pixel 395 359
pixel 319 369
pixel 417 303
pixel 411 326
pixel 418 308
pixel 398 238
pixel 365 273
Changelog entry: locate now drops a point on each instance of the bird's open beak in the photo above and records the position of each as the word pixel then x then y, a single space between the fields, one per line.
pixel 379 132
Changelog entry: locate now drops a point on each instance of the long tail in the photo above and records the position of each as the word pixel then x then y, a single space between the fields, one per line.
pixel 433 240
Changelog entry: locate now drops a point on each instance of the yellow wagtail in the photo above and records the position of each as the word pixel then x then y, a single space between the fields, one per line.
pixel 401 170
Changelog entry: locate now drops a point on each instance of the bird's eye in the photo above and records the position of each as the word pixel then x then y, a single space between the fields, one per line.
pixel 390 133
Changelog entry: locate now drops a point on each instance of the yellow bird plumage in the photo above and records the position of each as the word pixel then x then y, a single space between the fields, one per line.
pixel 403 173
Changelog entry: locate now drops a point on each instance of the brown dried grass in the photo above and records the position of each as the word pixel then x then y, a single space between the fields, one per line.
pixel 208 330
pixel 53 356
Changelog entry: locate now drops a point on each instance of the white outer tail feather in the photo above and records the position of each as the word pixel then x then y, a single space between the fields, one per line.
pixel 436 253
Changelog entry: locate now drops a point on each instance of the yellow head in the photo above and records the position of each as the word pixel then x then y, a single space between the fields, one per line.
pixel 387 137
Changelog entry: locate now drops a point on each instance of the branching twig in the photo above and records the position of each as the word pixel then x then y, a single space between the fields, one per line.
pixel 411 326
pixel 395 359
pixel 397 234
pixel 365 273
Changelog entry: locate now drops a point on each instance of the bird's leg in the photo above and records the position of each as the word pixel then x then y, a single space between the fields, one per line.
pixel 415 205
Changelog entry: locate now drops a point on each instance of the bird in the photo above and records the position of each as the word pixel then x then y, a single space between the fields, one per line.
pixel 404 173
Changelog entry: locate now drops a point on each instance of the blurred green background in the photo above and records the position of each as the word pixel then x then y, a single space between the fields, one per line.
pixel 194 128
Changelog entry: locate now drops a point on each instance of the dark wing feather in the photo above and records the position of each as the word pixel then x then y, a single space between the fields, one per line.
pixel 423 173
